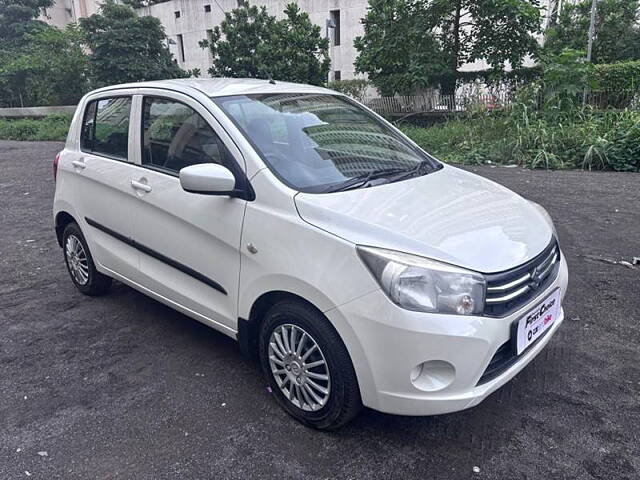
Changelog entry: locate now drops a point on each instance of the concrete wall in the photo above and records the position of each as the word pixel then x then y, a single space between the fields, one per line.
pixel 192 25
pixel 35 112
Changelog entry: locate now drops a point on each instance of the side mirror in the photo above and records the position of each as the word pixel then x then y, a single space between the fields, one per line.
pixel 208 179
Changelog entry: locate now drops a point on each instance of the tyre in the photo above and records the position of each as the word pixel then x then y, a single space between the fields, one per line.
pixel 80 264
pixel 308 367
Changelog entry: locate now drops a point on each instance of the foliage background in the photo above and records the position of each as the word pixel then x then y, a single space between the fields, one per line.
pixel 617 29
pixel 593 140
pixel 53 127
pixel 251 43
pixel 408 46
pixel 126 48
pixel 44 65
pixel 412 45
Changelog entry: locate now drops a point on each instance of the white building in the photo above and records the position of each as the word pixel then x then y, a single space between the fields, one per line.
pixel 64 12
pixel 187 22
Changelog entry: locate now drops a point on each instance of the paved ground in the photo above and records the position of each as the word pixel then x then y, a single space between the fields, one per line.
pixel 122 386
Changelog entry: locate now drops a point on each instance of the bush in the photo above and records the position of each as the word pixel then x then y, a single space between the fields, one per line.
pixel 607 140
pixel 547 126
pixel 623 76
pixel 623 151
pixel 53 127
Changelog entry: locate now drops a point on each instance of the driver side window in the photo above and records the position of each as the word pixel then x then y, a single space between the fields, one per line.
pixel 176 136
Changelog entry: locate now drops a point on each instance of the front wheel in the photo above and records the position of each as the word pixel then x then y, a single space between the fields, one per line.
pixel 308 367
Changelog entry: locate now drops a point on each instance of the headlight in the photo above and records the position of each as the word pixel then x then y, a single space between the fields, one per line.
pixel 424 285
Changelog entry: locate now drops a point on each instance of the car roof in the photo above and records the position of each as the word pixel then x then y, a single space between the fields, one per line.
pixel 219 87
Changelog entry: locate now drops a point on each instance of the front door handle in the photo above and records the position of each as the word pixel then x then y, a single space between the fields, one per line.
pixel 145 187
pixel 79 164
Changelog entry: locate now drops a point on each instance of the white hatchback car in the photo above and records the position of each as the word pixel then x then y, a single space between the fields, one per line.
pixel 354 265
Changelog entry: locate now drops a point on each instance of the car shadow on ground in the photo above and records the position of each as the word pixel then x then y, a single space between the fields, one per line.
pixel 476 431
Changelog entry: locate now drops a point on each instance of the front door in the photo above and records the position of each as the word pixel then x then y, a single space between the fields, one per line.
pixel 189 243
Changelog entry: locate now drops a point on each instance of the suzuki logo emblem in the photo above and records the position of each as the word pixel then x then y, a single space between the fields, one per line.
pixel 535 279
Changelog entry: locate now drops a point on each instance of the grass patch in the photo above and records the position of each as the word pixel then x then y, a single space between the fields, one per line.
pixel 593 140
pixel 52 127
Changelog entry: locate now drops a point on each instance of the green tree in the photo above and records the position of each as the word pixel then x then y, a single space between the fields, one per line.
pixel 564 79
pixel 39 64
pixel 617 32
pixel 304 53
pixel 251 43
pixel 503 31
pixel 127 48
pixel 19 18
pixel 434 38
pixel 246 50
pixel 49 69
pixel 399 51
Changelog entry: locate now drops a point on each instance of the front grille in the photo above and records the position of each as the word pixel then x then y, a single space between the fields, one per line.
pixel 503 359
pixel 507 291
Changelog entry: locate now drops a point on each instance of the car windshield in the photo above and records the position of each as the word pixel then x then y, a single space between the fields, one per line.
pixel 322 142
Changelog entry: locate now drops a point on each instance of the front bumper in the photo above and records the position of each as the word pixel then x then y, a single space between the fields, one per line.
pixel 387 343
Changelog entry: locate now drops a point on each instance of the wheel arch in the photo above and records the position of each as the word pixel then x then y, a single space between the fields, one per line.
pixel 62 219
pixel 249 327
pixel 249 332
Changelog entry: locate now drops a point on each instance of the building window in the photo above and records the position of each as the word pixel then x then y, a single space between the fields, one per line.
pixel 177 13
pixel 210 40
pixel 337 75
pixel 181 47
pixel 334 15
pixel 207 8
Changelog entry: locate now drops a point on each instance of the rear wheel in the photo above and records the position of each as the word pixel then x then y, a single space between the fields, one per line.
pixel 80 264
pixel 308 367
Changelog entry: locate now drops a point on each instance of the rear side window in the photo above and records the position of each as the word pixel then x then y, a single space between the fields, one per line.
pixel 105 129
pixel 176 136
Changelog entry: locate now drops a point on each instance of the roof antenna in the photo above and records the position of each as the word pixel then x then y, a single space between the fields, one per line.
pixel 271 80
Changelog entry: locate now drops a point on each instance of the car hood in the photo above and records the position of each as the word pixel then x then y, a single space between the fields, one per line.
pixel 449 215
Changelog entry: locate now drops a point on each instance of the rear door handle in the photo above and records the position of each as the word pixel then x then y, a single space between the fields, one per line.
pixel 79 164
pixel 145 187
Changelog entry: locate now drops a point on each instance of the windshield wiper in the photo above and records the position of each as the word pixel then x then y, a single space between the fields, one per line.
pixel 425 166
pixel 362 180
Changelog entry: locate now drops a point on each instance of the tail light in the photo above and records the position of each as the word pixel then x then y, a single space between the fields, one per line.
pixel 55 166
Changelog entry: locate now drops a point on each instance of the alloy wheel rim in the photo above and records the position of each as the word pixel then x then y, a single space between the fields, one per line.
pixel 77 260
pixel 299 367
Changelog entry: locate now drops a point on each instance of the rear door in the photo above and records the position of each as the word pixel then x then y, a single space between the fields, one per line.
pixel 189 243
pixel 103 167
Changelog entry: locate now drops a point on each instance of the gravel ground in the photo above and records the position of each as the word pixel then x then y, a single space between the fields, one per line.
pixel 122 386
